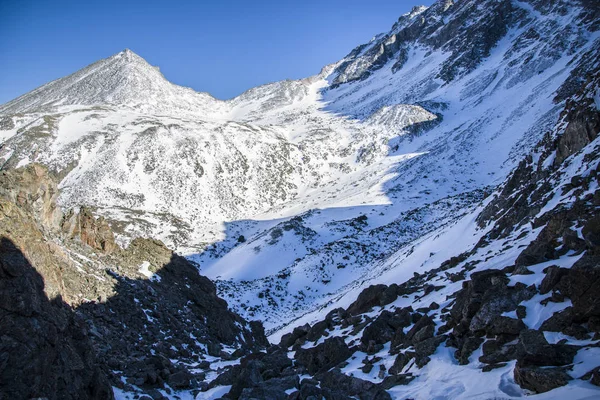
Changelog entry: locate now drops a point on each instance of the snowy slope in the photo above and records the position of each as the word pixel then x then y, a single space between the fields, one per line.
pixel 540 220
pixel 326 178
pixel 477 127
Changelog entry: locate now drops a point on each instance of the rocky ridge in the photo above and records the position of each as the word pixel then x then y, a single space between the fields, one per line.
pixel 535 317
pixel 105 313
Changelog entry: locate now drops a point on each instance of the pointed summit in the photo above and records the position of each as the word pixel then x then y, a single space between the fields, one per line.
pixel 128 56
pixel 124 79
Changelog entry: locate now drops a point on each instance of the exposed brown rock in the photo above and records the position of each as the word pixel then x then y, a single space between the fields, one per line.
pixel 95 232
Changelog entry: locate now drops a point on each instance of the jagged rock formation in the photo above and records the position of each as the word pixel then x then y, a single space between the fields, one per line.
pixel 95 232
pixel 45 348
pixel 79 312
pixel 33 191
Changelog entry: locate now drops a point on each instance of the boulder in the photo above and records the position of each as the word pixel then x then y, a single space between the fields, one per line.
pixel 423 322
pixel 396 380
pixel 591 232
pixel 180 380
pixel 249 376
pixel 469 345
pixel 369 298
pixel 553 275
pixel 494 351
pixel 582 285
pixel 559 321
pixel 351 386
pixel 426 348
pixel 317 330
pixel 506 325
pixel 497 300
pixel 272 389
pixel 534 349
pixel 324 356
pixel 384 327
pixel 399 363
pixel 540 380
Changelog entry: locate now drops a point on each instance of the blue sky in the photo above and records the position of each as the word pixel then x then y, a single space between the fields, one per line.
pixel 221 47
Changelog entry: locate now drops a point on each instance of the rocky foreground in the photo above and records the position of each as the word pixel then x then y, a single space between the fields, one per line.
pixel 79 315
pixel 378 167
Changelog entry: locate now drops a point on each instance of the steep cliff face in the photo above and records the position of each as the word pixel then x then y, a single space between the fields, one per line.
pixel 35 192
pixel 80 314
pixel 95 232
pixel 45 347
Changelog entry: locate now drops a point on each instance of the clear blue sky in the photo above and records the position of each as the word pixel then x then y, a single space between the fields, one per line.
pixel 221 47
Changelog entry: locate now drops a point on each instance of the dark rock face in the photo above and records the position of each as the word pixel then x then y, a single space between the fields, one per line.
pixel 541 380
pixel 426 348
pixel 179 304
pixel 485 297
pixel 324 356
pixel 559 322
pixel 399 363
pixel 591 232
pixel 290 339
pixel 505 325
pixel 553 276
pixel 496 351
pixel 337 382
pixel 582 128
pixel 376 295
pixel 468 43
pixel 534 349
pixel 582 285
pixel 383 329
pixel 273 389
pixel 45 349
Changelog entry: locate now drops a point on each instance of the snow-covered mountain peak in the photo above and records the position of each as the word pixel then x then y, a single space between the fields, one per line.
pixel 122 80
pixel 128 55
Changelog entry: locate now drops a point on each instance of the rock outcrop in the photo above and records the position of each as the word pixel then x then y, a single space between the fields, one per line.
pixel 45 349
pixel 94 232
pixel 79 314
